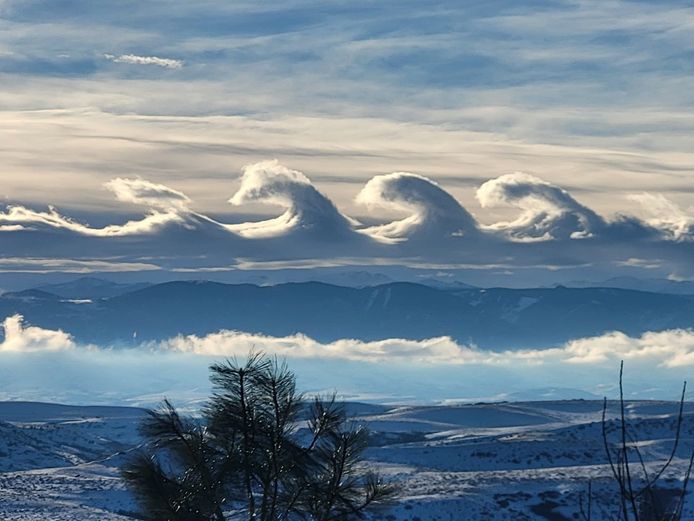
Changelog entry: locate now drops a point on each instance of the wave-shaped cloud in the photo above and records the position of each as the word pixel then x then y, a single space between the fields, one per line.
pixel 434 212
pixel 438 231
pixel 21 218
pixel 307 209
pixel 166 206
pixel 548 211
pixel 665 215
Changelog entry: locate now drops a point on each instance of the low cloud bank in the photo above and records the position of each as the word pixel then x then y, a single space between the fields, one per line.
pixel 41 364
pixel 667 349
pixel 671 348
pixel 26 339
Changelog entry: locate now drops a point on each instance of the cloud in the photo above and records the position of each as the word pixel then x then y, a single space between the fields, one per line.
pixel 651 264
pixel 345 107
pixel 166 206
pixel 49 265
pixel 671 348
pixel 553 230
pixel 548 211
pixel 145 193
pixel 434 211
pixel 37 362
pixel 26 219
pixel 11 228
pixel 666 349
pixel 307 210
pixel 233 343
pixel 22 338
pixel 318 88
pixel 665 215
pixel 133 59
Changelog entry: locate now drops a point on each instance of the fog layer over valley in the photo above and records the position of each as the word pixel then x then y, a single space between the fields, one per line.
pixel 142 342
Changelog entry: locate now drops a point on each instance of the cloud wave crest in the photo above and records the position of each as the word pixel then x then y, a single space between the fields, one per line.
pixel 434 212
pixel 547 211
pixel 307 209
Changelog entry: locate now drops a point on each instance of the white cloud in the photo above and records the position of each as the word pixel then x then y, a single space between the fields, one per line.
pixel 671 348
pixel 548 211
pixel 166 206
pixel 37 362
pixel 434 211
pixel 26 219
pixel 354 95
pixel 22 338
pixel 233 343
pixel 312 228
pixel 666 215
pixel 11 228
pixel 269 182
pixel 134 59
pixel 667 349
pixel 48 265
pixel 649 264
pixel 29 219
pixel 145 193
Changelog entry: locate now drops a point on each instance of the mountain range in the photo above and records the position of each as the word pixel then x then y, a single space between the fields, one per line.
pixel 90 288
pixel 493 318
pixel 676 287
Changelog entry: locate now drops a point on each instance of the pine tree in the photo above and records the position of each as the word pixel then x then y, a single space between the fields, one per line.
pixel 259 452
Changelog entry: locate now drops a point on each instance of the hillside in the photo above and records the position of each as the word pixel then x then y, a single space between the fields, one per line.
pixel 494 461
pixel 490 318
pixel 495 318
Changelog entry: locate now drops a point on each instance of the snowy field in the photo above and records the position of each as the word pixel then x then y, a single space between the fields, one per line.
pixel 502 461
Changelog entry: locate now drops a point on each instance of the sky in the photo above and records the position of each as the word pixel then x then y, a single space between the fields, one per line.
pixel 496 142
pixel 465 135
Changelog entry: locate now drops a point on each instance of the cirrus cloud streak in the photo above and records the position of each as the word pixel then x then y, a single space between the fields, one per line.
pixel 134 59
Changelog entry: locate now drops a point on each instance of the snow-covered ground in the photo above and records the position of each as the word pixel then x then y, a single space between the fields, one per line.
pixel 502 461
